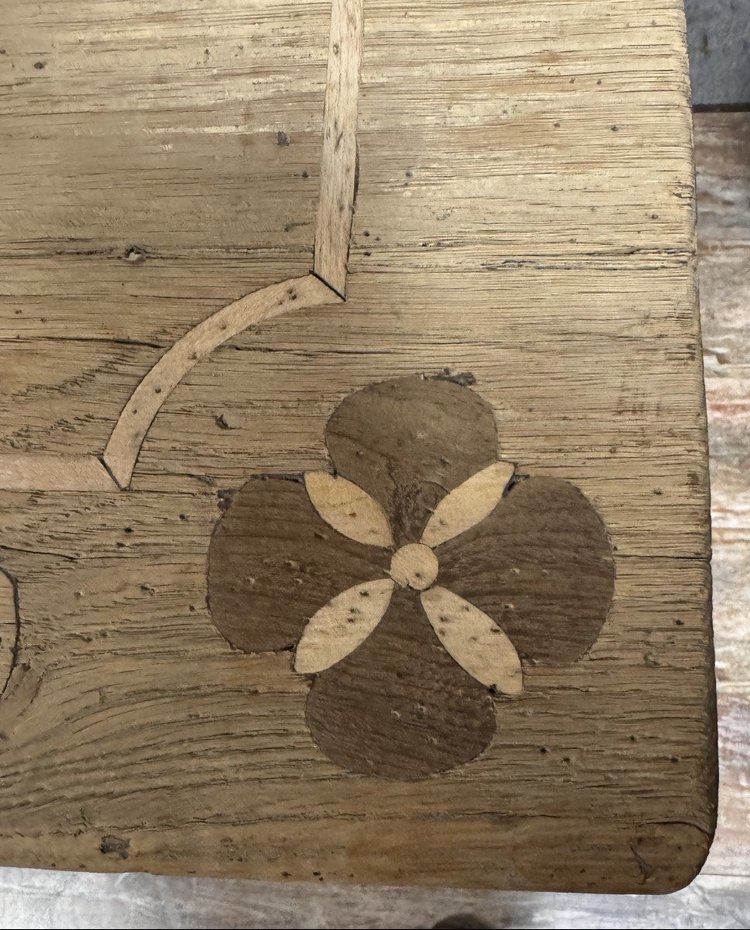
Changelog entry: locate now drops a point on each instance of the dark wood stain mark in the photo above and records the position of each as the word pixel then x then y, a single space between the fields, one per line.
pixel 116 845
pixel 10 628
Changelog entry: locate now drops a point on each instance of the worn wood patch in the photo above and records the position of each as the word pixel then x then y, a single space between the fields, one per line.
pixel 447 267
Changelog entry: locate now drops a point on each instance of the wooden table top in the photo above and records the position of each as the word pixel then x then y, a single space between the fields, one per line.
pixel 353 472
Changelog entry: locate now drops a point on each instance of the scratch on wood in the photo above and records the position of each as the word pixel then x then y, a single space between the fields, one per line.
pixel 9 628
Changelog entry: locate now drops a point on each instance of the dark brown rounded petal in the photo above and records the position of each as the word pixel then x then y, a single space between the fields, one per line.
pixel 273 562
pixel 399 706
pixel 408 442
pixel 541 566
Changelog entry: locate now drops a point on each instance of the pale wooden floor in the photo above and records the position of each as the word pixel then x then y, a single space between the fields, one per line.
pixel 721 895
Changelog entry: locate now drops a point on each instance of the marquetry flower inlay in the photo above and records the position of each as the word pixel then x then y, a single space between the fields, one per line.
pixel 414 580
pixel 474 640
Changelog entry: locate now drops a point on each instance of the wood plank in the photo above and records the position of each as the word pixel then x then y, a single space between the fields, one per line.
pixel 132 900
pixel 523 237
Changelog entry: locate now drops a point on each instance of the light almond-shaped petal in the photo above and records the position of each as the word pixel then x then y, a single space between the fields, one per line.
pixel 348 509
pixel 474 640
pixel 468 504
pixel 343 624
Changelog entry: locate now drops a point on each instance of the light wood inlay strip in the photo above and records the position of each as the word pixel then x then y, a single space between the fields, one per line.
pixel 47 471
pixel 338 171
pixel 126 440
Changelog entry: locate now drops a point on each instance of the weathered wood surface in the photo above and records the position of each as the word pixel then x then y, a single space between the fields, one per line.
pixel 720 897
pixel 524 214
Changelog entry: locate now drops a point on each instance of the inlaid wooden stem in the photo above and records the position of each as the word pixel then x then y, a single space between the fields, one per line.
pixel 338 170
pixel 40 471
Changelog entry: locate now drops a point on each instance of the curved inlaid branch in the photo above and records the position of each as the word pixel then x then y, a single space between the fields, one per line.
pixel 145 402
pixel 338 173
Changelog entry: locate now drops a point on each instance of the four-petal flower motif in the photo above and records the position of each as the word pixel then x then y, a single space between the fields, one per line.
pixel 474 640
pixel 414 580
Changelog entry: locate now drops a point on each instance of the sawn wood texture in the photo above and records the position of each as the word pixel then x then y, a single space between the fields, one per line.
pixel 523 224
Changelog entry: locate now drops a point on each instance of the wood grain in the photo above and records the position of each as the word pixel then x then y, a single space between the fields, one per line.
pixel 525 220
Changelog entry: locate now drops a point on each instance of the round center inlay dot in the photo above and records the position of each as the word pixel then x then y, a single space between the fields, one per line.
pixel 414 566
